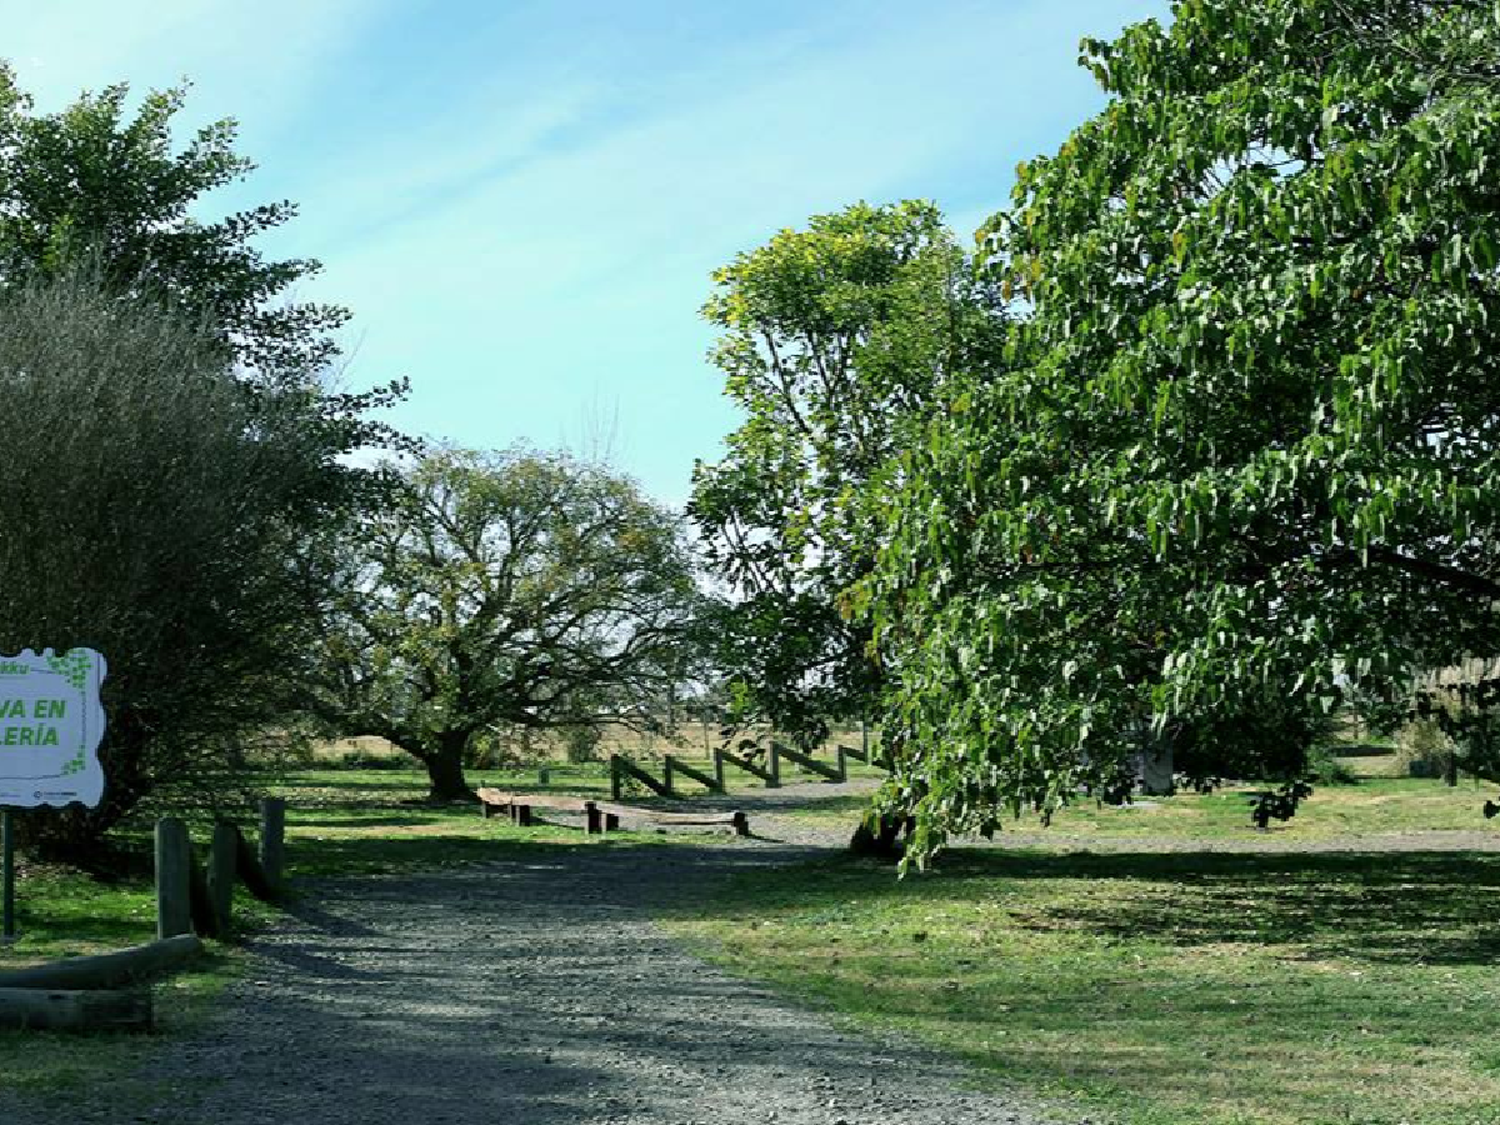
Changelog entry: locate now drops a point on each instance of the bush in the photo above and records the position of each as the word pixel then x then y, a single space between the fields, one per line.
pixel 149 504
pixel 581 743
pixel 1324 768
pixel 368 760
pixel 1423 748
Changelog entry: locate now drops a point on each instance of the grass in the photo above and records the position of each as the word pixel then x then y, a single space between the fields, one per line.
pixel 1374 807
pixel 1158 989
pixel 339 823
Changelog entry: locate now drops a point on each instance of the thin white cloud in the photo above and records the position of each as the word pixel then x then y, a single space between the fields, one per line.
pixel 523 211
pixel 256 62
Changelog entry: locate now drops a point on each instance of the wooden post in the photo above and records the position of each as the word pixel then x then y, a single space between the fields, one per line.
pixel 611 822
pixel 272 840
pixel 773 767
pixel 221 876
pixel 843 764
pixel 543 776
pixel 173 880
pixel 741 824
pixel 593 824
pixel 247 867
pixel 614 777
pixel 7 878
pixel 718 759
pixel 667 770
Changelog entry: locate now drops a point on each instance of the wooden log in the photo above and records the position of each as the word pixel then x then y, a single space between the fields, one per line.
pixel 654 816
pixel 500 799
pixel 107 970
pixel 621 765
pixel 857 755
pixel 43 1009
pixel 247 867
pixel 173 878
pixel 807 762
pixel 748 766
pixel 273 842
pixel 221 865
pixel 704 779
pixel 7 877
pixel 205 922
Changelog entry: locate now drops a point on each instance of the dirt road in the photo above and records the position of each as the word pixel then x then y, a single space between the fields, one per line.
pixel 533 991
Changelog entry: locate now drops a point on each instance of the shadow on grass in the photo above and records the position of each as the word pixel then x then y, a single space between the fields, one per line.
pixel 1400 908
pixel 1429 907
pixel 324 857
pixel 358 816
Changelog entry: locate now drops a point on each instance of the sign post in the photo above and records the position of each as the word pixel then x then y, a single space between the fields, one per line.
pixel 51 724
pixel 7 878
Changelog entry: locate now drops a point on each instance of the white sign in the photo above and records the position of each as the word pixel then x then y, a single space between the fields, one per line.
pixel 51 724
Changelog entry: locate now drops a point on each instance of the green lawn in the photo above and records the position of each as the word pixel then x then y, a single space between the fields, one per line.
pixel 1373 807
pixel 1158 989
pixel 339 823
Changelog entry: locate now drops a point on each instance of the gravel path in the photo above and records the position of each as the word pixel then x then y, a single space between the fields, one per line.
pixel 533 991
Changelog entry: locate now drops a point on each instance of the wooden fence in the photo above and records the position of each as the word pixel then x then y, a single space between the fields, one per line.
pixel 103 992
pixel 598 816
pixel 193 899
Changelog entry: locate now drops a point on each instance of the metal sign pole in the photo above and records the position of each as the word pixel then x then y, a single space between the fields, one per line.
pixel 7 877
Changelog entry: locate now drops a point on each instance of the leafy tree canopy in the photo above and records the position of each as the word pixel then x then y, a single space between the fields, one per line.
pixel 1247 443
pixel 834 341
pixel 95 186
pixel 497 591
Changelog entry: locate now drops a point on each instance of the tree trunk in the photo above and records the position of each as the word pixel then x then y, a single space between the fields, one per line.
pixel 445 769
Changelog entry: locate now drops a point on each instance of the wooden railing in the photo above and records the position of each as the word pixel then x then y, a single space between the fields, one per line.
pixel 598 816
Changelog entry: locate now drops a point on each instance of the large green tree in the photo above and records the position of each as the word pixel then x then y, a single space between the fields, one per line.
pixel 1248 448
pixel 835 341
pixel 503 591
pixel 97 185
pixel 105 206
pixel 148 504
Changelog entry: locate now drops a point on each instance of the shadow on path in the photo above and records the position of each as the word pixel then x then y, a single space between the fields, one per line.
pixel 534 990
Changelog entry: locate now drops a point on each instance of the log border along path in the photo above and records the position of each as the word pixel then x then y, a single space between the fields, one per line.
pixel 534 990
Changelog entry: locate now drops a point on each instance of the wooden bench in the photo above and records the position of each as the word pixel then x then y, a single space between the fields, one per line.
pixel 599 816
pixel 613 812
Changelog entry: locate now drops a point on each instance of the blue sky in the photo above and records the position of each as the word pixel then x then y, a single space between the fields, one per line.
pixel 522 202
